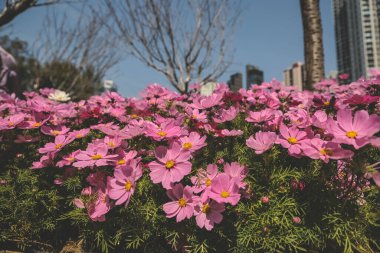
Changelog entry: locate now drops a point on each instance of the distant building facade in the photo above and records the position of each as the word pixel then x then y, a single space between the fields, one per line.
pixel 295 76
pixel 357 33
pixel 254 75
pixel 236 82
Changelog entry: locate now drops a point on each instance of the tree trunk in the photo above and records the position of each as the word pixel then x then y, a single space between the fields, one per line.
pixel 313 44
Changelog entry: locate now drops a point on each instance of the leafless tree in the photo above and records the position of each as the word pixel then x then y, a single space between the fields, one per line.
pixel 79 38
pixel 185 40
pixel 13 8
pixel 313 43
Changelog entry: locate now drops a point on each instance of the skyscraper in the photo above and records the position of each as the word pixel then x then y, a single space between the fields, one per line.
pixel 357 36
pixel 254 75
pixel 236 82
pixel 295 76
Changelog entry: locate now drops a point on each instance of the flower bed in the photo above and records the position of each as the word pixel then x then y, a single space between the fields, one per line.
pixel 267 169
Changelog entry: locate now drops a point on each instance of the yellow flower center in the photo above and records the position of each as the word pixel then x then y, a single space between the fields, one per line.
pixel 195 116
pixel 162 133
pixel 58 146
pixel 169 164
pixel 70 159
pixel 37 124
pixel 327 103
pixel 206 208
pixel 225 194
pixel 111 144
pixel 182 202
pixel 292 140
pixel 134 116
pixel 120 162
pixel 55 132
pixel 10 123
pixel 325 151
pixel 187 145
pixel 351 134
pixel 208 182
pixel 128 185
pixel 78 136
pixel 96 157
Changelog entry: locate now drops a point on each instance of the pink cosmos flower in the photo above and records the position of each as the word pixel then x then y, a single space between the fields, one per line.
pixel 224 190
pixel 227 114
pixel 122 186
pixel 196 114
pixel 183 203
pixel 203 102
pixel 324 150
pixel 202 181
pixel 35 121
pixel 319 119
pixel 54 130
pixel 357 130
pixel 59 142
pixel 165 130
pixel 124 157
pixel 208 213
pixel 11 121
pixel 292 138
pixel 193 142
pixel 112 142
pixel 236 172
pixel 299 118
pixel 68 159
pixel 261 116
pixel 80 133
pixel 226 132
pixel 171 165
pixel 95 155
pixel 262 141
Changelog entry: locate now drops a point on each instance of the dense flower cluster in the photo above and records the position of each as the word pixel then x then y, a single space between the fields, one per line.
pixel 333 123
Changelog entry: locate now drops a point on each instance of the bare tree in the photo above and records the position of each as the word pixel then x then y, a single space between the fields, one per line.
pixel 81 40
pixel 13 8
pixel 313 44
pixel 185 40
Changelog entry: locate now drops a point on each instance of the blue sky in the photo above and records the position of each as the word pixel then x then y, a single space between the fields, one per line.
pixel 269 36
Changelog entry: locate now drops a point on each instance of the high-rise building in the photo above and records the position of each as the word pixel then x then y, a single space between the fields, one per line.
pixel 357 36
pixel 254 75
pixel 236 82
pixel 295 76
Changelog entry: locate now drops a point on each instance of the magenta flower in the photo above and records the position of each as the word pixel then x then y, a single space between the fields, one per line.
pixel 95 155
pixel 59 142
pixel 324 150
pixel 122 186
pixel 357 130
pixel 171 165
pixel 208 213
pixel 292 138
pixel 224 190
pixel 183 203
pixel 262 141
pixel 192 142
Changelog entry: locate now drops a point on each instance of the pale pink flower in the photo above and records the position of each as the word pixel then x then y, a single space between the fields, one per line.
pixel 227 114
pixel 262 141
pixel 357 130
pixel 95 155
pixel 122 186
pixel 202 102
pixel 236 172
pixel 325 150
pixel 163 131
pixel 192 142
pixel 68 159
pixel 226 132
pixel 54 130
pixel 124 157
pixel 319 119
pixel 112 142
pixel 224 189
pixel 80 133
pixel 183 203
pixel 171 165
pixel 208 213
pixel 11 121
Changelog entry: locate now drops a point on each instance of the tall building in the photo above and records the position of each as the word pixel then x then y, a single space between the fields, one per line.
pixel 295 76
pixel 254 75
pixel 236 82
pixel 357 36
